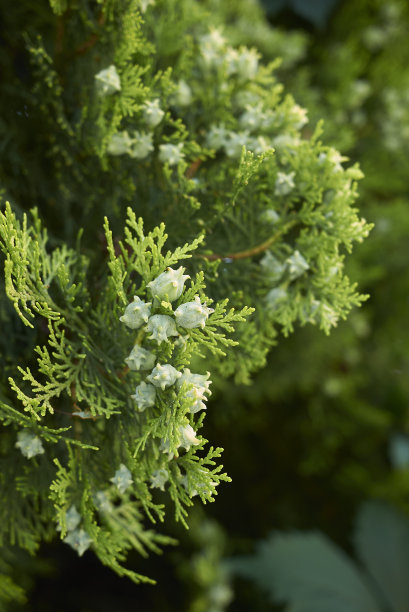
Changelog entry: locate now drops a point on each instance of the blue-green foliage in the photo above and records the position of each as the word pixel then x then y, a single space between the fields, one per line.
pixel 315 11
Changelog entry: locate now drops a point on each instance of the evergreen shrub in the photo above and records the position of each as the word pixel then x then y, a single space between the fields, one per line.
pixel 168 214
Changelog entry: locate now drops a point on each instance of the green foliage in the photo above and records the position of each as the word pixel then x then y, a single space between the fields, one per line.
pixel 219 197
pixel 147 111
pixel 355 379
pixel 82 372
pixel 331 413
pixel 9 590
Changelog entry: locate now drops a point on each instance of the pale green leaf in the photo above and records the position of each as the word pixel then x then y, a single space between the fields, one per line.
pixel 309 572
pixel 382 543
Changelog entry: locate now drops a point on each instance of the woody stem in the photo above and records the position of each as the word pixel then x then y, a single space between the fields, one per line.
pixel 254 250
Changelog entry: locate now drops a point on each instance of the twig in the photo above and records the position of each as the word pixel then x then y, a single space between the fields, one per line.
pixel 254 250
pixel 90 42
pixel 191 171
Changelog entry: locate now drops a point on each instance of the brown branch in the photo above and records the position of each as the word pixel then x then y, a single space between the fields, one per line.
pixel 59 35
pixel 123 372
pixel 191 171
pixel 250 252
pixel 76 425
pixel 90 42
pixel 74 397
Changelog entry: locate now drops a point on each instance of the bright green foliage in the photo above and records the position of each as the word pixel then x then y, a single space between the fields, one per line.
pixel 147 108
pixel 81 370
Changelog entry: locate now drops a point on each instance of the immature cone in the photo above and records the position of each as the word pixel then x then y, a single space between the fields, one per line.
pixel 79 540
pixel 196 398
pixel 273 268
pixel 199 386
pixel 108 81
pixel 297 265
pixel 192 314
pixel 29 444
pixel 159 479
pixel 275 297
pixel 188 437
pixel 171 153
pixel 198 380
pixel 122 478
pixel 152 113
pixel 136 313
pixel 163 376
pixel 142 145
pixel 169 284
pixel 120 143
pixel 72 518
pixel 162 327
pixel 145 395
pixel 284 183
pixel 140 359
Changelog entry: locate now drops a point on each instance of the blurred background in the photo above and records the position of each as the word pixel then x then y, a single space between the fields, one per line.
pixel 324 428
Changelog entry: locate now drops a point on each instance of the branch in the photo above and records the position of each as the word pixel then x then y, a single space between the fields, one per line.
pixel 254 250
pixel 191 171
pixel 90 42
